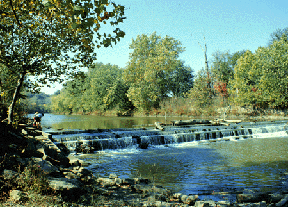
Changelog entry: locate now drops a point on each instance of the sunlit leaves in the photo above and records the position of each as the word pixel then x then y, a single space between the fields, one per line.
pixel 37 35
pixel 261 79
pixel 99 90
pixel 53 26
pixel 149 70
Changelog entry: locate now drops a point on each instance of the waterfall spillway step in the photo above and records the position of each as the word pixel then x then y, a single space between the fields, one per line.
pixel 95 140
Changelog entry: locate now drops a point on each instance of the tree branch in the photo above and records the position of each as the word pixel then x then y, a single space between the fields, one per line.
pixel 15 14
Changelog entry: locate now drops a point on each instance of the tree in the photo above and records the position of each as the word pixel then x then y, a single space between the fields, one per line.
pixel 150 69
pixel 223 64
pixel 276 36
pixel 7 83
pixel 100 89
pixel 50 38
pixel 36 102
pixel 181 80
pixel 106 87
pixel 261 79
pixel 208 80
pixel 201 94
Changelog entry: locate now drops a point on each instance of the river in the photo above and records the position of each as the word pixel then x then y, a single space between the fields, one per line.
pixel 52 122
pixel 189 168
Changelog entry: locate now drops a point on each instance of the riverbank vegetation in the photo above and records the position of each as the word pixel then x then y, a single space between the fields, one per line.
pixel 156 82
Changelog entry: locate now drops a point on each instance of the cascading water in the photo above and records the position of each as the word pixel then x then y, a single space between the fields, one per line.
pixel 97 140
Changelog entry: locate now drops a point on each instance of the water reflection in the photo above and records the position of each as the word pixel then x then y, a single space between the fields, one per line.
pixel 51 121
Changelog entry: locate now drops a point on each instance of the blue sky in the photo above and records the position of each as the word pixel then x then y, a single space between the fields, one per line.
pixel 226 24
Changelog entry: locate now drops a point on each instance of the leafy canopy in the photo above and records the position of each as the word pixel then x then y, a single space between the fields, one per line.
pixel 261 79
pixel 49 38
pixel 152 69
pixel 37 33
pixel 101 89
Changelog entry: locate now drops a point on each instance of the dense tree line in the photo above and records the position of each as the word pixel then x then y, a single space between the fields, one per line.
pixel 155 73
pixel 100 89
pixel 244 78
pixel 36 102
pixel 155 76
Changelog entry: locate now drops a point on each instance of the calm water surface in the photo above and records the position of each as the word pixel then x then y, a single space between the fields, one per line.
pixel 53 122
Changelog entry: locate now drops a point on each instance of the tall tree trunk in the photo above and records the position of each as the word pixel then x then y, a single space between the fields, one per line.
pixel 206 61
pixel 15 97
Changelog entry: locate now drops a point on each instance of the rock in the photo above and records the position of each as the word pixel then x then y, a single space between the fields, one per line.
pixel 223 203
pixel 141 180
pixel 261 204
pixel 112 176
pixel 177 195
pixel 283 201
pixel 9 174
pixel 63 183
pixel 143 145
pixel 85 172
pixel 31 150
pixel 161 204
pixel 42 151
pixel 159 190
pixel 118 181
pixel 74 161
pixel 106 182
pixel 275 197
pixel 183 198
pixel 190 200
pixel 128 181
pixel 70 175
pixel 17 195
pixel 252 197
pixel 160 197
pixel 57 158
pixel 68 188
pixel 45 165
pixel 205 203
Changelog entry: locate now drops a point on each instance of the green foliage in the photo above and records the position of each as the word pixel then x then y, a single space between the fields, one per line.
pixel 261 78
pixel 277 35
pixel 154 71
pixel 223 64
pixel 36 102
pixel 48 39
pixel 201 95
pixel 33 178
pixel 181 80
pixel 101 89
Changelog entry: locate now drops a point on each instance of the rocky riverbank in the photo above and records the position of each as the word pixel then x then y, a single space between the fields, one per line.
pixel 34 173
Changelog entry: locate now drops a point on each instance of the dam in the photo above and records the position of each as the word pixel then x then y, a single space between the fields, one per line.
pixel 102 139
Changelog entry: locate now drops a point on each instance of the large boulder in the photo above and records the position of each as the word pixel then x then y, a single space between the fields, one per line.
pixel 45 165
pixel 70 189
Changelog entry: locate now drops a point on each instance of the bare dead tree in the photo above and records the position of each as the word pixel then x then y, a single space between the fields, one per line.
pixel 204 49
